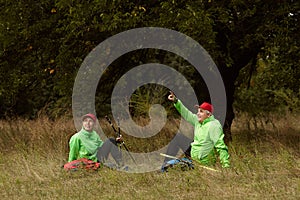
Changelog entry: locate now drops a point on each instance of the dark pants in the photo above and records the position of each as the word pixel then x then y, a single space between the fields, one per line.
pixel 110 146
pixel 182 142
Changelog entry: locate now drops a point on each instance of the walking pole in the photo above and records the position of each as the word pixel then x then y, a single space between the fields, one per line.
pixel 122 143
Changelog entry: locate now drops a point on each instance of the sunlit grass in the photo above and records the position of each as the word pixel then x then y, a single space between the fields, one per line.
pixel 265 165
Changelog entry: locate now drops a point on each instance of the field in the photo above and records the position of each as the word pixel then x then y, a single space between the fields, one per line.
pixel 265 165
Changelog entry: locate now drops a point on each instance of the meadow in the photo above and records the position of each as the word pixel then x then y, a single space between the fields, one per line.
pixel 265 160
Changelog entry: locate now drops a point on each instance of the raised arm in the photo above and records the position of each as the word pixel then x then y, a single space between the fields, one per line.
pixel 184 112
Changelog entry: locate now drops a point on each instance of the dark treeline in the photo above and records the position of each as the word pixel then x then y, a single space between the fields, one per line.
pixel 43 43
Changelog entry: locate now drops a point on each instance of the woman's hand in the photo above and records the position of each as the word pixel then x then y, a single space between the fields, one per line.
pixel 119 139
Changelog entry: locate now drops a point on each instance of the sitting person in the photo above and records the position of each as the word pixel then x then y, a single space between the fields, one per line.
pixel 87 144
pixel 208 135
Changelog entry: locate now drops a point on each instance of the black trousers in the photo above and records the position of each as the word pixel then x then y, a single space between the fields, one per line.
pixel 110 146
pixel 182 142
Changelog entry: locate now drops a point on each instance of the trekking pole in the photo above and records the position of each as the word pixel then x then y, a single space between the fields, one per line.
pixel 119 132
pixel 118 123
pixel 119 135
pixel 107 118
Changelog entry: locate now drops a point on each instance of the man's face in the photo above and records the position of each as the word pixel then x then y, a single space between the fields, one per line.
pixel 202 114
pixel 88 124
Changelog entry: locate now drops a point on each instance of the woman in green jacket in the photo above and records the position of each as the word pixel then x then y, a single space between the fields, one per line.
pixel 87 143
pixel 208 134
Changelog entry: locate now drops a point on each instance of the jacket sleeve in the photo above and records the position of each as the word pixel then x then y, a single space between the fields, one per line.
pixel 74 148
pixel 217 137
pixel 223 153
pixel 185 113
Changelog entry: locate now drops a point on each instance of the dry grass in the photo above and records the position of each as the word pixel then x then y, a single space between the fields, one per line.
pixel 265 165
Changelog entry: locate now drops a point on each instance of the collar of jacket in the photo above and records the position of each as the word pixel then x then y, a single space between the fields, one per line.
pixel 211 118
pixel 86 133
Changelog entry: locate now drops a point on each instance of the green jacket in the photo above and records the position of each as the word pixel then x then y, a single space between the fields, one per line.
pixel 84 144
pixel 208 137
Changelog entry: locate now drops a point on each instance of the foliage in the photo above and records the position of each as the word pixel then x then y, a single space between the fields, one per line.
pixel 44 43
pixel 27 60
pixel 272 81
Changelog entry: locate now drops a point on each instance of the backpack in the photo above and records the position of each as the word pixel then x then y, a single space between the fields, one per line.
pixel 82 163
pixel 183 163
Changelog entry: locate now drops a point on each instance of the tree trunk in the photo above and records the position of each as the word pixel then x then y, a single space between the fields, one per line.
pixel 229 77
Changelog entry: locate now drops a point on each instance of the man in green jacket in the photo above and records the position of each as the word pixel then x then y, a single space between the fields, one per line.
pixel 87 143
pixel 208 134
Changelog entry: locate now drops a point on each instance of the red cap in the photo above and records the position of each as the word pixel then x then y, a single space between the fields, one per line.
pixel 206 106
pixel 93 117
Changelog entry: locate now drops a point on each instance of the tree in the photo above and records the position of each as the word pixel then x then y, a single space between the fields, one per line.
pixel 28 47
pixel 47 41
pixel 246 30
pixel 272 80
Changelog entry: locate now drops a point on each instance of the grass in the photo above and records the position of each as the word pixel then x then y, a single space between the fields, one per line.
pixel 265 165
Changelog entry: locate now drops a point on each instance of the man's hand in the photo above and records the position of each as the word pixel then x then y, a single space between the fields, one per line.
pixel 172 97
pixel 226 165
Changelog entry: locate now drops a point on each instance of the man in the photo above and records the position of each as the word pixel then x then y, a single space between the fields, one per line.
pixel 208 134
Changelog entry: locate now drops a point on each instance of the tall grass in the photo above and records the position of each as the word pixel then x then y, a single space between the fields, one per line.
pixel 265 165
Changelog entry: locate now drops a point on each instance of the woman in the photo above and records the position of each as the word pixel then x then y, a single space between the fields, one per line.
pixel 87 144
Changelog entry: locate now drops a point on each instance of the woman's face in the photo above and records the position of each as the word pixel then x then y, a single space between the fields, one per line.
pixel 88 124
